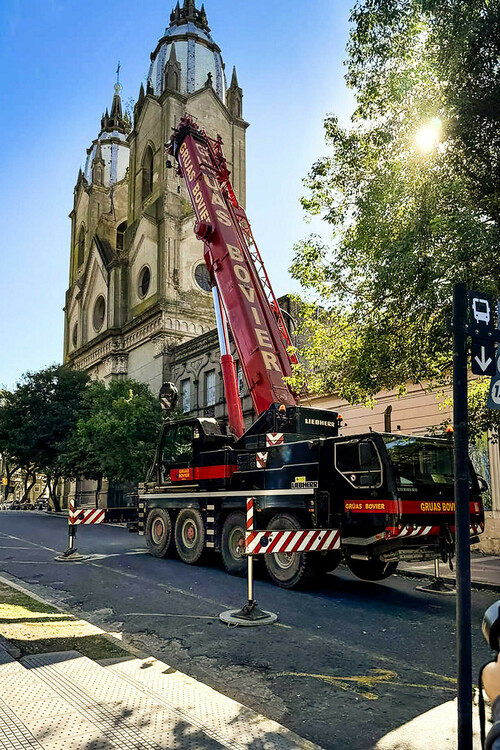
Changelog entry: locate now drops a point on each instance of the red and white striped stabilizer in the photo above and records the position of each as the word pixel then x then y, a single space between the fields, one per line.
pixel 249 514
pixel 261 459
pixel 304 540
pixel 406 531
pixel 274 438
pixel 84 516
pixel 393 531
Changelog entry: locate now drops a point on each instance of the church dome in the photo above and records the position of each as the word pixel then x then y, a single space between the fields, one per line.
pixel 188 44
pixel 111 146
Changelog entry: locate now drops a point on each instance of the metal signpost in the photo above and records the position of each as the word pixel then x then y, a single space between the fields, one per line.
pixel 481 328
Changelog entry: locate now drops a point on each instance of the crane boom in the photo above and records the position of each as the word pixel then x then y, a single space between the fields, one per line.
pixel 235 266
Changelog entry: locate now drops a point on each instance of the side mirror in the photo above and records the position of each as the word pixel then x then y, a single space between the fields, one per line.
pixel 483 484
pixel 168 396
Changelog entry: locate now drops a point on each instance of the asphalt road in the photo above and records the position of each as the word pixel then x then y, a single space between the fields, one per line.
pixel 348 662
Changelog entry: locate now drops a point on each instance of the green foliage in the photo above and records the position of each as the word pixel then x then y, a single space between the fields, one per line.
pixel 116 434
pixel 481 419
pixel 59 423
pixel 38 418
pixel 39 415
pixel 406 225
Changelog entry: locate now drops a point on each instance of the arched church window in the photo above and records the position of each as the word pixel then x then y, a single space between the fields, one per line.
pixel 120 236
pixel 74 337
pixel 81 246
pixel 147 172
pixel 99 313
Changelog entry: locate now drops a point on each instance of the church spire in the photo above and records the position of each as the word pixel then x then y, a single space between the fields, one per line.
pixel 176 14
pixel 189 12
pixel 115 120
pixel 172 71
pixel 234 97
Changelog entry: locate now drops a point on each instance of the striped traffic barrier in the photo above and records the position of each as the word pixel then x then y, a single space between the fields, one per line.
pixel 84 516
pixel 250 613
pixel 78 517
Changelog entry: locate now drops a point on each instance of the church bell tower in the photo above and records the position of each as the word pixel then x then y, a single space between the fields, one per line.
pixel 138 286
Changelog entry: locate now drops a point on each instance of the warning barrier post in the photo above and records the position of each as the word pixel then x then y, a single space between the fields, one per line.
pixel 250 614
pixel 75 517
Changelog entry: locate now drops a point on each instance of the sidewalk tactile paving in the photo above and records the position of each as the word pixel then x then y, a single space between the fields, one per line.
pixel 14 735
pixel 235 726
pixel 65 701
pixel 82 743
pixel 67 725
pixel 78 679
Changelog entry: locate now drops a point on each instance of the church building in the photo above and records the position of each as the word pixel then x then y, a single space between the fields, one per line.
pixel 139 300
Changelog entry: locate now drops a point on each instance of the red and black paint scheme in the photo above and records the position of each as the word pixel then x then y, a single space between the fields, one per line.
pixel 318 497
pixel 390 497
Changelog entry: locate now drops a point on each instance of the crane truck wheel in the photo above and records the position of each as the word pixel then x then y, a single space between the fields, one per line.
pixel 289 569
pixel 232 544
pixel 328 561
pixel 371 570
pixel 190 536
pixel 159 537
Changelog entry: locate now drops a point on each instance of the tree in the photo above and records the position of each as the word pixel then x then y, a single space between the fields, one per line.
pixel 406 224
pixel 116 433
pixel 38 418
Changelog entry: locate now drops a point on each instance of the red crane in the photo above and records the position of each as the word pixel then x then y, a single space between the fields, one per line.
pixel 241 289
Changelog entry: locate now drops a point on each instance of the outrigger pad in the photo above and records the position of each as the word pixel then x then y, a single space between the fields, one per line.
pixel 251 611
pixel 248 615
pixel 70 554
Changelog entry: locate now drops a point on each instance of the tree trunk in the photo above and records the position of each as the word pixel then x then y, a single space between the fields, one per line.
pixel 9 472
pixel 28 485
pixel 52 484
pixel 43 490
pixel 98 489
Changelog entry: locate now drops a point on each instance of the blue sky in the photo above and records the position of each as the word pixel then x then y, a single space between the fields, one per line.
pixel 57 65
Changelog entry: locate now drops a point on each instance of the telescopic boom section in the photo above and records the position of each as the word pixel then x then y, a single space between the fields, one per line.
pixel 252 312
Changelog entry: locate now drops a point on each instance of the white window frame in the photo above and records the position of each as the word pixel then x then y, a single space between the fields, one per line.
pixel 185 395
pixel 210 385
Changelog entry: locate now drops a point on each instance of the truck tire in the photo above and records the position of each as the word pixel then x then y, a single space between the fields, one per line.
pixel 288 570
pixel 328 561
pixel 371 570
pixel 232 544
pixel 159 537
pixel 190 536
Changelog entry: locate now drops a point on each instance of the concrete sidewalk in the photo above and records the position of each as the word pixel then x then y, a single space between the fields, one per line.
pixel 65 701
pixel 485 571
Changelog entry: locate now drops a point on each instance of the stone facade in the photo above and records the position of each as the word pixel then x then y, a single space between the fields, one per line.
pixel 137 289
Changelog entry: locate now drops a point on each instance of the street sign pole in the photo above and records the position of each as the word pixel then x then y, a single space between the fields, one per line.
pixel 462 518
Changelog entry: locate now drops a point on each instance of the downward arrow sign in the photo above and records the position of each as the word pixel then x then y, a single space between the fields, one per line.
pixel 483 363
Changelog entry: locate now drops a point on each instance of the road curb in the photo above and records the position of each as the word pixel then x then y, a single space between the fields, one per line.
pixel 476 585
